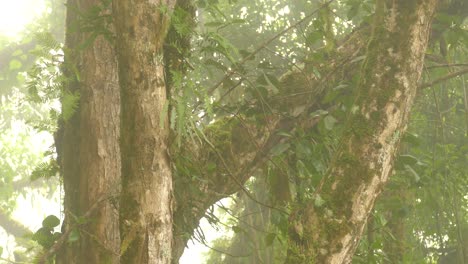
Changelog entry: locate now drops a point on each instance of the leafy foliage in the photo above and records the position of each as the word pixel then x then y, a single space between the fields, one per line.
pixel 45 235
pixel 240 58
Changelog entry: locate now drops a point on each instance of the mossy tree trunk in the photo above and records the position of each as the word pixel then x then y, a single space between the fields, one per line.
pixel 363 163
pixel 88 143
pixel 146 198
pixel 90 154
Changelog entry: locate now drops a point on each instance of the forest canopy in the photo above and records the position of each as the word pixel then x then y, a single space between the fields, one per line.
pixel 302 131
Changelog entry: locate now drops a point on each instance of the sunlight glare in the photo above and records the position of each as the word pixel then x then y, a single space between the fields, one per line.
pixel 15 15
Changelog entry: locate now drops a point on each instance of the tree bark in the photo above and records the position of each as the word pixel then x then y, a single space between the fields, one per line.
pixel 363 163
pixel 90 158
pixel 88 143
pixel 146 199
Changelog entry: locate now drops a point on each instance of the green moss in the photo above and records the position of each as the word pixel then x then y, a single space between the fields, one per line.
pixel 229 137
pixel 220 132
pixel 361 127
pixel 356 172
pixel 348 160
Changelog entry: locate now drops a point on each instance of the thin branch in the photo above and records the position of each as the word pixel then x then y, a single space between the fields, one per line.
pixel 234 178
pixel 224 252
pixel 64 237
pixel 465 103
pixel 265 44
pixel 446 65
pixel 444 78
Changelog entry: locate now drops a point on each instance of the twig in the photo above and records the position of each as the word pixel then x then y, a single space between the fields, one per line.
pixel 446 65
pixel 266 43
pixel 444 78
pixel 63 238
pixel 224 252
pixel 234 178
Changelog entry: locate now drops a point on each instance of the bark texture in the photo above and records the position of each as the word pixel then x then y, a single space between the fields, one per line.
pixel 362 165
pixel 151 230
pixel 146 199
pixel 88 143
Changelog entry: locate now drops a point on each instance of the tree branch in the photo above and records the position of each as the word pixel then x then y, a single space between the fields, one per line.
pixel 65 235
pixel 444 78
pixel 237 161
pixel 266 43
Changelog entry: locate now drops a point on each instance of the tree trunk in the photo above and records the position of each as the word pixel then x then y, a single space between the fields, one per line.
pixel 363 163
pixel 146 199
pixel 90 157
pixel 88 144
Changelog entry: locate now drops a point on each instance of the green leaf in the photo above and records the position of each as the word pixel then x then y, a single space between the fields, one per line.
pixel 359 58
pixel 273 82
pixel 56 235
pixel 318 202
pixel 341 86
pixel 70 103
pixel 238 21
pixel 214 24
pixel 81 220
pixel 412 139
pixel 316 73
pixel 416 177
pixel 44 237
pixel 245 54
pixel 314 37
pixel 303 149
pixel 50 222
pixel 237 229
pixel 329 122
pixel 407 159
pixel 284 134
pixel 280 148
pixel 74 236
pixel 210 166
pixel 318 113
pixel 269 239
pixel 216 64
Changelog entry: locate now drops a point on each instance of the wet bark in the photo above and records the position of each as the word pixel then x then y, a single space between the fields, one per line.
pixel 88 144
pixel 146 199
pixel 362 165
pixel 90 155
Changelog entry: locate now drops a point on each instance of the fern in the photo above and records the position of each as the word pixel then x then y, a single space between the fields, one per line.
pixel 70 102
pixel 47 42
pixel 45 170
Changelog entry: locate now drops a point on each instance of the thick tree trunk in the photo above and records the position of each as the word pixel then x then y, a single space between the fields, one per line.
pixel 88 144
pixel 146 200
pixel 90 158
pixel 362 165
